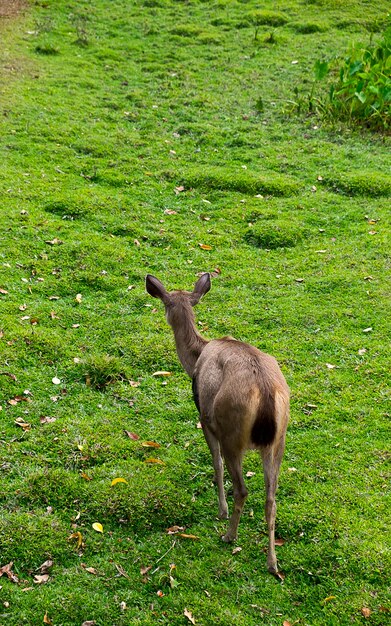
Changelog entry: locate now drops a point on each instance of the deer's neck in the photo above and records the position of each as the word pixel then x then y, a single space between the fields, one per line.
pixel 189 344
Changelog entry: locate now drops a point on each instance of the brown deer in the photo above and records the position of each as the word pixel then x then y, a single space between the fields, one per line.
pixel 242 398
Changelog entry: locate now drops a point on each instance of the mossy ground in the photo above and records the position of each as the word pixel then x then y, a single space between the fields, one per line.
pixel 154 127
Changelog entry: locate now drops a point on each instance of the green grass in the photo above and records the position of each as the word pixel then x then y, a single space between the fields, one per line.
pixel 133 132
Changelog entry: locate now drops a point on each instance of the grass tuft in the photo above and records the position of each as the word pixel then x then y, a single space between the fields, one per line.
pixel 101 370
pixel 244 182
pixel 365 183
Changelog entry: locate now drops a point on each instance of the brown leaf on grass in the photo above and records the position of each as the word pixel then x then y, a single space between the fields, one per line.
pixel 23 307
pixel 54 242
pixel 170 212
pixel 279 542
pixel 150 444
pixel 161 373
pixel 189 616
pixel 132 435
pixel 40 579
pixel 3 291
pixel 45 567
pixel 286 623
pixel 144 570
pixel 12 376
pixel 134 383
pixel 54 297
pixel 174 529
pixel 185 536
pixel 7 570
pixel 205 246
pixel 216 272
pixel 24 425
pixel 47 620
pixel 91 570
pixel 45 419
pixel 78 298
pixel 78 536
pixel 121 570
pixel 13 401
pixel 85 476
pixel 236 550
pixel 179 189
pixel 90 622
pixel 157 461
pixel 366 612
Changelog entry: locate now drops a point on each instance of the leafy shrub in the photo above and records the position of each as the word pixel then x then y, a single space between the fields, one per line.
pixel 220 178
pixel 372 184
pixel 362 92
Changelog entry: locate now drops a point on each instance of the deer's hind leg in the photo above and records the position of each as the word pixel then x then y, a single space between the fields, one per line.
pixel 272 457
pixel 233 460
pixel 218 466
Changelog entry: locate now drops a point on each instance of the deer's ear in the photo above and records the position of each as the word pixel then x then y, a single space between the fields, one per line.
pixel 155 288
pixel 201 287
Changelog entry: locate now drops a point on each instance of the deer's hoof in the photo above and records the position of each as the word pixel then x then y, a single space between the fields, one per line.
pixel 228 537
pixel 223 514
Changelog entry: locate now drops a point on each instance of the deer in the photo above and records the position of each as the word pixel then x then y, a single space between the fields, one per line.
pixel 242 398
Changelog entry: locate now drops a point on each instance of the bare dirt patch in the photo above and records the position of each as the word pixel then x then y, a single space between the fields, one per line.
pixel 11 8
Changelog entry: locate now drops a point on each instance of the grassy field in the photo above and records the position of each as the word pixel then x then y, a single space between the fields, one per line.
pixel 153 136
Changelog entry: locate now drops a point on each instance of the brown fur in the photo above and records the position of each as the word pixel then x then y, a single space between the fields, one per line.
pixel 242 398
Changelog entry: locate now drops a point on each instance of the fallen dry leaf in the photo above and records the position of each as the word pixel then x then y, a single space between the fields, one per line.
pixel 179 189
pixel 45 567
pixel 78 298
pixel 9 375
pixel 45 419
pixel 118 480
pixel 91 570
pixel 24 425
pixel 89 623
pixel 286 623
pixel 23 307
pixel 150 444
pixel 205 246
pixel 160 593
pixel 121 570
pixel 7 570
pixel 56 381
pixel 161 373
pixel 185 536
pixel 157 461
pixel 329 598
pixel 54 242
pixel 366 612
pixel 85 476
pixel 98 527
pixel 3 291
pixel 134 383
pixel 144 570
pixel 170 212
pixel 132 435
pixel 279 542
pixel 174 529
pixel 77 535
pixel 46 619
pixel 40 579
pixel 236 550
pixel 189 616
